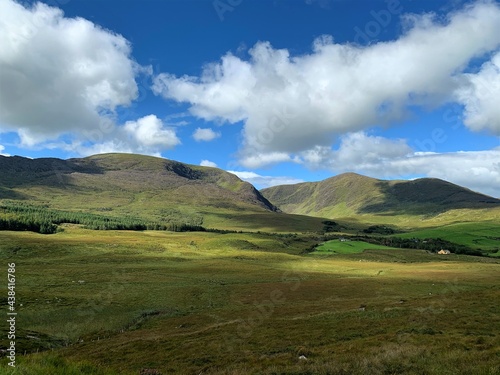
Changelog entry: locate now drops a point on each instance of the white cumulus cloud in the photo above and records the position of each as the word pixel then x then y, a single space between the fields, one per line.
pixel 149 131
pixel 291 104
pixel 357 151
pixel 59 75
pixel 206 135
pixel 480 96
pixel 147 135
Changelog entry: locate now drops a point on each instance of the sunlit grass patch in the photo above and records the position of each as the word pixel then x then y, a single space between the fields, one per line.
pixel 345 246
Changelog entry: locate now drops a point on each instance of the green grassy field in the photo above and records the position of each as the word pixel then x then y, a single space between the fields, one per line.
pixel 347 247
pixel 481 235
pixel 114 302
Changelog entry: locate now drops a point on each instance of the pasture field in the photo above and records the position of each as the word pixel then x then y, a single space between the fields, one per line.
pixel 347 247
pixel 484 236
pixel 118 302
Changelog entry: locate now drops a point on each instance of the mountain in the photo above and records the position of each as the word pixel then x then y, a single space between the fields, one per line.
pixel 162 190
pixel 143 186
pixel 350 194
pixel 131 174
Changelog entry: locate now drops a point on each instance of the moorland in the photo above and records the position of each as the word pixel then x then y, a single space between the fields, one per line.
pixel 128 264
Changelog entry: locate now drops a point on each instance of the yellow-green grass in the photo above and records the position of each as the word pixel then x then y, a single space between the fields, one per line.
pixel 50 364
pixel 263 221
pixel 421 221
pixel 347 247
pixel 482 235
pixel 190 303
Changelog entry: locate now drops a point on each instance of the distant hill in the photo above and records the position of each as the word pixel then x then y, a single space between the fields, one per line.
pixel 162 190
pixel 127 175
pixel 144 186
pixel 350 194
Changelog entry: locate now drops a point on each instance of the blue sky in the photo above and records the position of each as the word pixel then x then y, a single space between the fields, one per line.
pixel 276 91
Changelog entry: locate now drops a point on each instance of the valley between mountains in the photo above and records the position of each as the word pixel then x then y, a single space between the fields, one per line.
pixel 131 264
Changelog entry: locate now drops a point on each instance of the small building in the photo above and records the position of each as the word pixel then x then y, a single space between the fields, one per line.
pixel 445 252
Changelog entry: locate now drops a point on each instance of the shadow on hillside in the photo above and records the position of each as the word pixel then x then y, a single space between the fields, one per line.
pixel 426 197
pixel 18 171
pixel 10 194
pixel 268 221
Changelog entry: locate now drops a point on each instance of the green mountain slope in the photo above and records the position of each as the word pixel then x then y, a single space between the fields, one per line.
pixel 353 195
pixel 126 176
pixel 143 186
